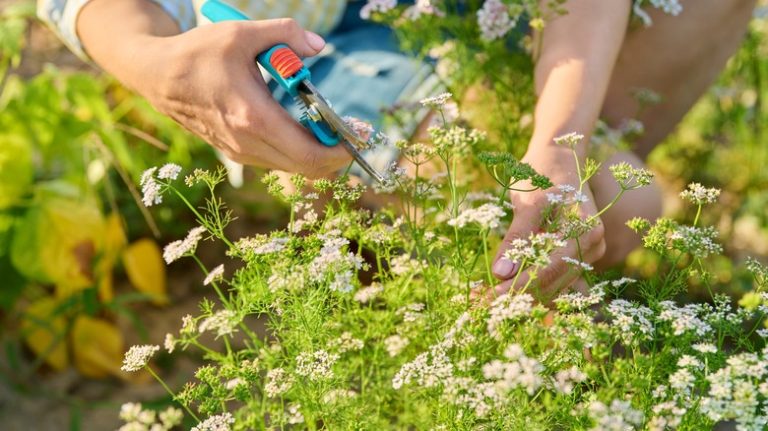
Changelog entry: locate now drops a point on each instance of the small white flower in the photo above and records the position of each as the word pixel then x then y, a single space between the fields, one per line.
pixel 577 263
pixel 569 139
pixel 175 250
pixel 376 6
pixel 220 422
pixel 278 382
pixel 395 344
pixel 223 322
pixel 367 294
pixel 494 20
pixel 169 171
pixel 487 216
pixel 137 357
pixel 316 365
pixel 215 274
pixel 169 342
pixel 705 348
pixel 436 102
pixel 700 195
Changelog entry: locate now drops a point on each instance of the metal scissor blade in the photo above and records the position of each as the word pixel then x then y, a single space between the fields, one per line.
pixel 351 141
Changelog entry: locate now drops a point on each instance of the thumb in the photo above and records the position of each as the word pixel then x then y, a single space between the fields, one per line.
pixel 522 226
pixel 265 34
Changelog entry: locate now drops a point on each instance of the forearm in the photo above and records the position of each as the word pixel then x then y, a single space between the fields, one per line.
pixel 572 74
pixel 117 33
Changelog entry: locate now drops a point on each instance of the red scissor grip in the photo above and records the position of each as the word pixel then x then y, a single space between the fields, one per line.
pixel 286 62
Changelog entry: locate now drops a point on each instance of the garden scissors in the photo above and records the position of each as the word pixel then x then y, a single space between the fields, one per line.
pixel 289 71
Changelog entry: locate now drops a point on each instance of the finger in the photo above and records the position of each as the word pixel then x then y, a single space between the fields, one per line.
pixel 556 276
pixel 264 34
pixel 307 155
pixel 521 227
pixel 289 146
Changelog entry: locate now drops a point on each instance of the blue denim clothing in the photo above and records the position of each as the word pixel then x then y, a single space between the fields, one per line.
pixel 362 72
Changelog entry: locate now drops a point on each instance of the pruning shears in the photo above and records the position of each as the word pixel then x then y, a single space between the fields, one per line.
pixel 289 71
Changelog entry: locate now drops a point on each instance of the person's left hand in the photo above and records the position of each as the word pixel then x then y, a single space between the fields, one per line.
pixel 558 165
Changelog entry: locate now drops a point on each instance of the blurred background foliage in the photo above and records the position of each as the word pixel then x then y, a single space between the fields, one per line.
pixel 72 147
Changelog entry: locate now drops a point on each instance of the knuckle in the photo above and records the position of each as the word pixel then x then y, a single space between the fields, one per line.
pixel 288 26
pixel 600 250
pixel 310 165
pixel 231 36
pixel 595 236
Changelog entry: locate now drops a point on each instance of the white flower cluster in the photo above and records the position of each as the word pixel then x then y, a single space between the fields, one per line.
pixel 700 195
pixel 577 301
pixel 631 321
pixel 569 139
pixel 376 6
pixel 699 241
pixel 346 342
pixel 739 391
pixel 137 418
pixel 494 20
pixel 618 416
pixel 566 195
pixel 368 293
pixel 535 250
pixel 294 414
pixel 334 263
pixel 411 312
pixel 395 344
pixel 404 264
pixel 565 380
pixel 684 319
pixel 223 322
pixel 220 422
pixel 422 7
pixel 466 392
pixel 274 245
pixel 428 369
pixel 520 371
pixel 151 190
pixel 175 250
pixel 215 274
pixel 137 357
pixel 582 266
pixel 316 365
pixel 508 308
pixel 278 382
pixel 487 216
pixel 666 416
pixel 436 102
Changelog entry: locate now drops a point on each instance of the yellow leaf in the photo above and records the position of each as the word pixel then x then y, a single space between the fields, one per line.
pixel 57 240
pixel 114 242
pixel 97 347
pixel 44 331
pixel 144 265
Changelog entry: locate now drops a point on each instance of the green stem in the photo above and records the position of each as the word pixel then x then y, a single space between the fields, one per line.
pixel 698 213
pixel 607 207
pixel 170 392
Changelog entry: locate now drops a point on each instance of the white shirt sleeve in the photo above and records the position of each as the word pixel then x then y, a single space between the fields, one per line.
pixel 61 16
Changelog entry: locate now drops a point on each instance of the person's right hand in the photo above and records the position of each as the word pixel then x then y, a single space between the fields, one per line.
pixel 207 80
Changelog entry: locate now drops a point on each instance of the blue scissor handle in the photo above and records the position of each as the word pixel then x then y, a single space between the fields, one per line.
pixel 281 62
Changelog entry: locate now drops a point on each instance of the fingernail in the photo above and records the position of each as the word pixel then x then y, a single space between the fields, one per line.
pixel 314 40
pixel 504 268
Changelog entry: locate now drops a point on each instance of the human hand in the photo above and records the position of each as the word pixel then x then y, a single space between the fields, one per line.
pixel 207 79
pixel 558 165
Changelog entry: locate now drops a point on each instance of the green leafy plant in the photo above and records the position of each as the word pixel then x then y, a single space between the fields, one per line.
pixel 423 343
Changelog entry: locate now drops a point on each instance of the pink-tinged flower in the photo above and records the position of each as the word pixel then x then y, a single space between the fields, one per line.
pixel 377 6
pixel 494 20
